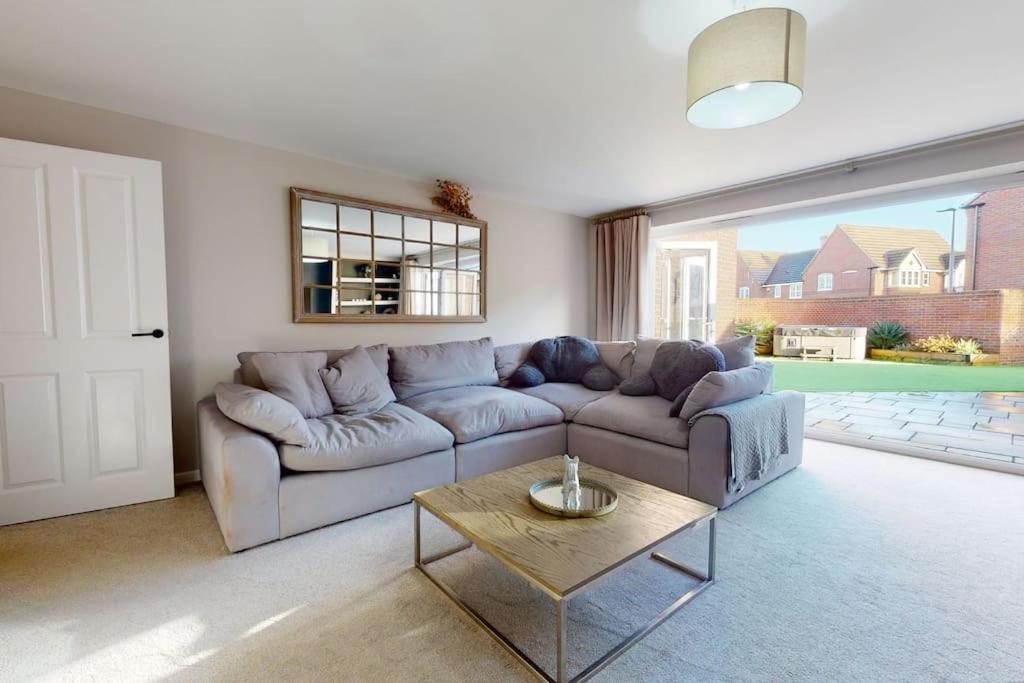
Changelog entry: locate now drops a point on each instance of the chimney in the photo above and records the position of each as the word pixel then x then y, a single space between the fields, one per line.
pixel 821 240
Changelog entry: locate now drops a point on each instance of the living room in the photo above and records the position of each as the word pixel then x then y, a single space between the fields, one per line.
pixel 333 349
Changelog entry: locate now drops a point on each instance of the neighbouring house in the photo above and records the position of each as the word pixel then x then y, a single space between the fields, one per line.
pixel 860 260
pixel 752 270
pixel 995 240
pixel 786 280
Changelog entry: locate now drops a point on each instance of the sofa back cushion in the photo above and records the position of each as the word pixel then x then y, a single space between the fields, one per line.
pixel 738 352
pixel 508 357
pixel 418 369
pixel 721 388
pixel 355 384
pixel 248 374
pixel 618 356
pixel 295 377
pixel 644 354
pixel 263 412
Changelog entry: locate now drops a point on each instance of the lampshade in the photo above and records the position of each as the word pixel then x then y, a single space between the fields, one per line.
pixel 746 69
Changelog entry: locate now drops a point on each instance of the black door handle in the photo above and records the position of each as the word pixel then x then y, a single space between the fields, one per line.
pixel 157 333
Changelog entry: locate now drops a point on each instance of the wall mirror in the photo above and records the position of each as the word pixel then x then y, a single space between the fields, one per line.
pixel 355 260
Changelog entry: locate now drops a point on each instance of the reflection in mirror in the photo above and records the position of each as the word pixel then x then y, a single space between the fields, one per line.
pixel 319 272
pixel 355 220
pixel 444 281
pixel 444 257
pixel 469 283
pixel 469 235
pixel 387 224
pixel 317 300
pixel 469 259
pixel 416 303
pixel 417 229
pixel 469 304
pixel 355 247
pixel 319 244
pixel 444 233
pixel 387 250
pixel 447 304
pixel 319 215
pixel 417 254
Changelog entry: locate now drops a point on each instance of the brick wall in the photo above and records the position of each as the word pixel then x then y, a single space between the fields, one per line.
pixel 839 254
pixel 1000 241
pixel 744 278
pixel 994 317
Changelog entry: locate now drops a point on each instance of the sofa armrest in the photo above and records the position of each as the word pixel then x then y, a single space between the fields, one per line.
pixel 709 453
pixel 241 473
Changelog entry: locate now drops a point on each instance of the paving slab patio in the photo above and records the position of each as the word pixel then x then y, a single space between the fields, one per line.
pixel 985 425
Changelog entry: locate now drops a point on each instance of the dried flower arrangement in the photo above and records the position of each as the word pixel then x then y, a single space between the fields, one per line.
pixel 454 198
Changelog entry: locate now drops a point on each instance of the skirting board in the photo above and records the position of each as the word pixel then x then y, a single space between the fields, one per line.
pixel 913 451
pixel 186 477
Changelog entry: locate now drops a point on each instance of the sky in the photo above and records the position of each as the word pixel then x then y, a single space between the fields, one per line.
pixel 804 233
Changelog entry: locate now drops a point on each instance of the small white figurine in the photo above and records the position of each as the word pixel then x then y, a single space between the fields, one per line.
pixel 571 483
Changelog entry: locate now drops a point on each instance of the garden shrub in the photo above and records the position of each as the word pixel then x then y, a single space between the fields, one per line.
pixel 762 330
pixel 887 335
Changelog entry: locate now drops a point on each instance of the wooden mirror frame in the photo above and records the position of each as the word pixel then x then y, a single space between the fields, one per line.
pixel 370 284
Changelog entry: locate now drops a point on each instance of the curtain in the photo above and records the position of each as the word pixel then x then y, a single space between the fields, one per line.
pixel 622 255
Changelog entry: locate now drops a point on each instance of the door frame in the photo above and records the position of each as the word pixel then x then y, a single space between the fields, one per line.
pixel 676 239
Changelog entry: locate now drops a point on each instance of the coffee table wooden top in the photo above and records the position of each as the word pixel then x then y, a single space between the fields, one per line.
pixel 560 554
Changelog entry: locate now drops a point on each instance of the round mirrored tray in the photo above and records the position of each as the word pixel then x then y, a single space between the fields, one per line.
pixel 596 499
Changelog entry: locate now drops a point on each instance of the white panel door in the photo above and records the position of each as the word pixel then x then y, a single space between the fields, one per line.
pixel 84 404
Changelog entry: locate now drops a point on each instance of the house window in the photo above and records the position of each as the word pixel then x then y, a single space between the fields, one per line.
pixel 796 290
pixel 911 278
pixel 778 291
pixel 925 279
pixel 824 282
pixel 744 292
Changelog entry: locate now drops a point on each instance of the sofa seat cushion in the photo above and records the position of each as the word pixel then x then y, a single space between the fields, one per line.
pixel 474 412
pixel 569 398
pixel 350 442
pixel 645 417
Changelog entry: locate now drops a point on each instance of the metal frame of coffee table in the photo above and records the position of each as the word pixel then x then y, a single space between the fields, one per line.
pixel 562 601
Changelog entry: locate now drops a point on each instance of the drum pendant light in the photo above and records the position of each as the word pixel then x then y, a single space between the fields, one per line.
pixel 746 69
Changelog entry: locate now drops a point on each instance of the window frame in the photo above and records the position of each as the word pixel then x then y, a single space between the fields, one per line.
pixel 830 280
pixel 744 293
pixel 798 288
pixel 777 291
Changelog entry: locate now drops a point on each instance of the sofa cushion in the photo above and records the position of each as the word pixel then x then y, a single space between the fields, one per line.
pixel 355 384
pixel 565 359
pixel 645 417
pixel 349 442
pixel 474 412
pixel 677 366
pixel 419 369
pixel 295 377
pixel 644 354
pixel 569 398
pixel 263 412
pixel 617 356
pixel 508 357
pixel 738 352
pixel 720 388
pixel 249 375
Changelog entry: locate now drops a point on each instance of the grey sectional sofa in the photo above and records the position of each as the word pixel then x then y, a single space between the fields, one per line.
pixel 454 420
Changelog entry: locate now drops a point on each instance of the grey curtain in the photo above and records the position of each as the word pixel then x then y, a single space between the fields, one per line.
pixel 622 251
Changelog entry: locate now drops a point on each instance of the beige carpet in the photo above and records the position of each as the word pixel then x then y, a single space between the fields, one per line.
pixel 858 566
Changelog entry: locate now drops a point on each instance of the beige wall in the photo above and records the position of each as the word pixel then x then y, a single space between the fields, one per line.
pixel 228 267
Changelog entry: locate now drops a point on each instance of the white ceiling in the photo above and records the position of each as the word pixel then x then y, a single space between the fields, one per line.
pixel 575 104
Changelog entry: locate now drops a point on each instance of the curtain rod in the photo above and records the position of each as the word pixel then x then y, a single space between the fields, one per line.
pixel 846 166
pixel 617 215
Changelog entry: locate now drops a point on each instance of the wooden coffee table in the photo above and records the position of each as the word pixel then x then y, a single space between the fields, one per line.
pixel 561 556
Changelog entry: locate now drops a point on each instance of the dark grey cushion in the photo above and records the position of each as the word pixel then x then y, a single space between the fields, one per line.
pixel 418 369
pixel 565 359
pixel 263 412
pixel 738 352
pixel 676 366
pixel 355 384
pixel 721 388
pixel 295 377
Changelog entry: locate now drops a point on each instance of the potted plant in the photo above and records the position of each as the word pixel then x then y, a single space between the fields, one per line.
pixel 763 332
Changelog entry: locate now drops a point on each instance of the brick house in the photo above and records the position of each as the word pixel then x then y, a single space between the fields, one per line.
pixel 995 240
pixel 857 260
pixel 752 270
pixel 786 281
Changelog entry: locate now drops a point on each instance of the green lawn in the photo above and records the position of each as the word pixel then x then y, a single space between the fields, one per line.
pixel 873 375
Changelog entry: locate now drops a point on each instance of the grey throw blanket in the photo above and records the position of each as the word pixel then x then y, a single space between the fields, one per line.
pixel 758 436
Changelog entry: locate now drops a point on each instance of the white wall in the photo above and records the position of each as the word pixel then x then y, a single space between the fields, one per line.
pixel 228 254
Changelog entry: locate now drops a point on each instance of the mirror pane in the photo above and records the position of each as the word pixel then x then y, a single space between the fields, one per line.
pixel 469 282
pixel 444 281
pixel 355 220
pixel 469 235
pixel 417 254
pixel 316 243
pixel 319 272
pixel 319 215
pixel 444 256
pixel 318 300
pixel 417 229
pixel 417 303
pixel 387 275
pixel 387 250
pixel 469 304
pixel 444 233
pixel 469 259
pixel 355 247
pixel 447 304
pixel 387 224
